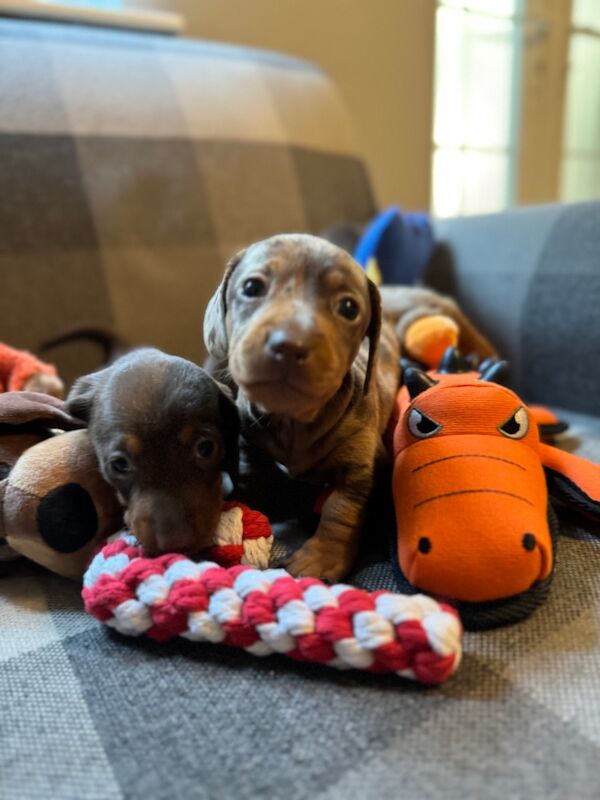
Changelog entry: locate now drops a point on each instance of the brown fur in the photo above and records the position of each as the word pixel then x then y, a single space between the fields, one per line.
pixel 314 389
pixel 154 413
pixel 404 305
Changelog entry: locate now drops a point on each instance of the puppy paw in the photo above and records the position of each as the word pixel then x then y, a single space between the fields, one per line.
pixel 324 560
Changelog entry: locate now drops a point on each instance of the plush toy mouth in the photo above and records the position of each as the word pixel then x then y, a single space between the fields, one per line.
pixel 483 614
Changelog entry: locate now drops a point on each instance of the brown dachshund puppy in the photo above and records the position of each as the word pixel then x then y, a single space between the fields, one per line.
pixel 289 322
pixel 163 430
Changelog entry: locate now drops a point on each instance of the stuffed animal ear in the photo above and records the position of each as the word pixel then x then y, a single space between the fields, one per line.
pixel 42 410
pixel 373 331
pixel 56 505
pixel 215 316
pixel 80 400
pixel 231 432
pixel 572 479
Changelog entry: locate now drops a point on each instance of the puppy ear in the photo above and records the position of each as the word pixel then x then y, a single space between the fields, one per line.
pixel 215 316
pixel 81 398
pixel 373 331
pixel 230 430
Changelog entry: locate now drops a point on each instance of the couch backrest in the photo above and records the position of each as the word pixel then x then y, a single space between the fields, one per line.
pixel 132 166
pixel 531 279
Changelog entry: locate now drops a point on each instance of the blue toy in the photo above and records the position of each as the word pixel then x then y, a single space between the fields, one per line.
pixel 395 247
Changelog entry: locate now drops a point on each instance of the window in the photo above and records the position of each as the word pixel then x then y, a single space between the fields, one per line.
pixel 580 173
pixel 516 104
pixel 477 78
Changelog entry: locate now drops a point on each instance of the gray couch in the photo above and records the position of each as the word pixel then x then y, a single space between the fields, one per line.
pixel 131 166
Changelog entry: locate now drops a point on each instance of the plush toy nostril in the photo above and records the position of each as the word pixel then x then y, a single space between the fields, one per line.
pixel 424 545
pixel 528 541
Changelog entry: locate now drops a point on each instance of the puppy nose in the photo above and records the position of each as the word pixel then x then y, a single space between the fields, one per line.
pixel 155 534
pixel 287 345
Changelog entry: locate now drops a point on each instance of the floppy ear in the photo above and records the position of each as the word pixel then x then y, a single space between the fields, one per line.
pixel 373 331
pixel 230 430
pixel 573 479
pixel 23 408
pixel 81 398
pixel 215 316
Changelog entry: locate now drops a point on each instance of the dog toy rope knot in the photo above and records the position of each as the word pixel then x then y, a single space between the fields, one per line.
pixel 268 611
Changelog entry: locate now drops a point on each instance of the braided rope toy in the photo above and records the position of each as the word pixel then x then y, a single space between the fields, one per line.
pixel 268 611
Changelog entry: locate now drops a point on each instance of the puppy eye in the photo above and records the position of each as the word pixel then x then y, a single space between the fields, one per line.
pixel 348 308
pixel 254 287
pixel 517 425
pixel 422 426
pixel 121 465
pixel 204 448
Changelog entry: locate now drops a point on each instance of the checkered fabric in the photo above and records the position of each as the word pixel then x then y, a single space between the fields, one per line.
pixel 133 166
pixel 530 278
pixel 85 713
pixel 130 166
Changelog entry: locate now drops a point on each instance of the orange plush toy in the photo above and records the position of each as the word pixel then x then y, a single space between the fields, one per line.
pixel 471 485
pixel 22 371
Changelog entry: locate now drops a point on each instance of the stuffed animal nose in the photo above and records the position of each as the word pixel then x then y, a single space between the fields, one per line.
pixel 424 545
pixel 288 346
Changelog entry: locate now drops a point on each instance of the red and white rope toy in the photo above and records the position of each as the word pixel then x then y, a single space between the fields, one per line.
pixel 268 611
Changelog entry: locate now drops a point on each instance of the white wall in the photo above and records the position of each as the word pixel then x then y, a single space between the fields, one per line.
pixel 380 54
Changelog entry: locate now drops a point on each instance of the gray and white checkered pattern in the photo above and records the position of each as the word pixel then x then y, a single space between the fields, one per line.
pixel 130 167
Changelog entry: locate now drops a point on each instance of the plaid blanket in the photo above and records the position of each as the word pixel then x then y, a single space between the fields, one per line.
pixel 130 167
pixel 133 166
pixel 86 713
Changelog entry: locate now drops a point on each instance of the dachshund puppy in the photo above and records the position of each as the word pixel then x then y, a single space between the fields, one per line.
pixel 296 325
pixel 163 430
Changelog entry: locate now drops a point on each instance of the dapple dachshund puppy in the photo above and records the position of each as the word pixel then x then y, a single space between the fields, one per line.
pixel 297 325
pixel 163 430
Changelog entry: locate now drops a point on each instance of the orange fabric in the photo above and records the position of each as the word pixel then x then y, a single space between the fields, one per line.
pixel 543 415
pixel 584 474
pixel 428 338
pixel 467 497
pixel 18 366
pixel 473 498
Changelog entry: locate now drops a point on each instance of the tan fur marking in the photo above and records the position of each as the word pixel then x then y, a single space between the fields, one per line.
pixel 132 444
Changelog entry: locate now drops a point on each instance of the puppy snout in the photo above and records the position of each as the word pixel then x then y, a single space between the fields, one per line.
pixel 160 526
pixel 288 345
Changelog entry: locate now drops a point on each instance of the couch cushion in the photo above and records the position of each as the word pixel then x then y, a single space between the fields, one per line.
pixel 530 278
pixel 132 166
pixel 87 713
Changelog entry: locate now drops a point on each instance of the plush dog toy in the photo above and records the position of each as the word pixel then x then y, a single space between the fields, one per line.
pixel 471 484
pixel 54 505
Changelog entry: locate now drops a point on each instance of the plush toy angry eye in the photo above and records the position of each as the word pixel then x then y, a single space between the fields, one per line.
pixel 422 426
pixel 517 425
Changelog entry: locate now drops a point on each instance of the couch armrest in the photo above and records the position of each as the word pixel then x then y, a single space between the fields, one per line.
pixel 530 278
